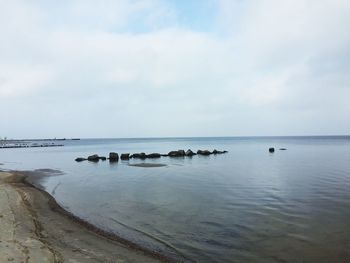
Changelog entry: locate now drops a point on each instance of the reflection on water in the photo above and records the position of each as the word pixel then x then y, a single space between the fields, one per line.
pixel 244 206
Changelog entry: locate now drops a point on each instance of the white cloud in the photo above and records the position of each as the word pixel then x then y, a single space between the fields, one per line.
pixel 271 60
pixel 21 80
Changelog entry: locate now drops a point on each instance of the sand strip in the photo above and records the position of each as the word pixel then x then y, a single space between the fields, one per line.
pixel 34 228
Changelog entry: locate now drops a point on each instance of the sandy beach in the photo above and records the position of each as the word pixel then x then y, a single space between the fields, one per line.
pixel 34 228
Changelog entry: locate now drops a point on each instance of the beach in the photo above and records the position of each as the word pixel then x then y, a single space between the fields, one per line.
pixel 249 205
pixel 34 228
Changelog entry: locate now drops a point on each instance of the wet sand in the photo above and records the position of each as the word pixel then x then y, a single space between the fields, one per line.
pixel 34 228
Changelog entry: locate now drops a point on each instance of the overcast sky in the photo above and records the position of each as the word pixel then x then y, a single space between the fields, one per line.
pixel 152 68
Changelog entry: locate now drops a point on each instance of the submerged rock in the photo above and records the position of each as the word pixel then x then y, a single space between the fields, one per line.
pixel 102 158
pixel 271 150
pixel 203 152
pixel 283 149
pixel 125 156
pixel 190 153
pixel 93 158
pixel 148 165
pixel 113 157
pixel 153 155
pixel 79 159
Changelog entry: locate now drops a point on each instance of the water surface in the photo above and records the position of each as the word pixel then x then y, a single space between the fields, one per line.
pixel 244 206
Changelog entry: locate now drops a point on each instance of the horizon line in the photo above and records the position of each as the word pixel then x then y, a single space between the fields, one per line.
pixel 175 137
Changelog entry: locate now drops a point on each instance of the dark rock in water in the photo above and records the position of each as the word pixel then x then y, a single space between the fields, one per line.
pixel 102 158
pixel 189 153
pixel 271 150
pixel 113 157
pixel 138 156
pixel 125 156
pixel 93 158
pixel 283 149
pixel 80 159
pixel 182 152
pixel 219 152
pixel 173 153
pixel 179 153
pixel 203 152
pixel 153 155
pixel 164 155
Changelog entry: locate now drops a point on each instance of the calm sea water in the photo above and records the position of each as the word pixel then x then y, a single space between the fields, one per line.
pixel 244 206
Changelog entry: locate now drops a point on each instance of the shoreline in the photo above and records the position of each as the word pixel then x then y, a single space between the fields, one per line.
pixel 39 227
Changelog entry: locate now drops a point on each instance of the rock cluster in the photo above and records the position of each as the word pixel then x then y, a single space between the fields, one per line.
pixel 114 157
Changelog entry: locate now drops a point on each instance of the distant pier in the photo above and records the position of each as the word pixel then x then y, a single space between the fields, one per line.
pixel 34 145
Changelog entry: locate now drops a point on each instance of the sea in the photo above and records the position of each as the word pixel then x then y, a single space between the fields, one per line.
pixel 248 205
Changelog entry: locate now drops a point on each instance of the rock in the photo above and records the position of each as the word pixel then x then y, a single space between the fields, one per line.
pixel 125 156
pixel 173 153
pixel 153 155
pixel 80 159
pixel 203 152
pixel 93 158
pixel 189 153
pixel 182 152
pixel 113 157
pixel 102 158
pixel 138 156
pixel 283 149
pixel 271 150
pixel 164 155
pixel 219 152
pixel 179 153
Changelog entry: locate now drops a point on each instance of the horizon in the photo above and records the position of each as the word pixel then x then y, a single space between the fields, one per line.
pixel 172 137
pixel 153 68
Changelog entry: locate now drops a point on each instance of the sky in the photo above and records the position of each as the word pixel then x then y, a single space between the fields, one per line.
pixel 173 68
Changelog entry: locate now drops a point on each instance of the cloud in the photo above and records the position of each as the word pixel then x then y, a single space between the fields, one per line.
pixel 138 68
pixel 20 80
